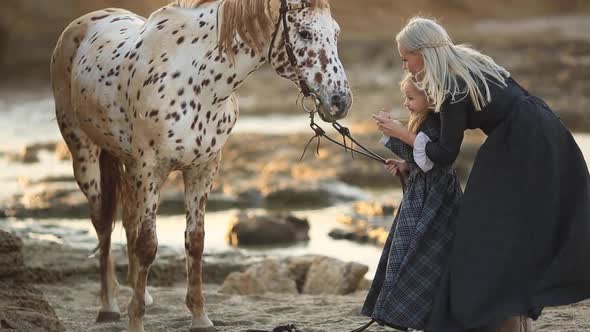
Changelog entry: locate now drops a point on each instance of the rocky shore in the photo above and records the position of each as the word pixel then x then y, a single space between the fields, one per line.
pixel 312 293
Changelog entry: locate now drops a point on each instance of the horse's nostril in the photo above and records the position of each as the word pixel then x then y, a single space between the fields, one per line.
pixel 336 100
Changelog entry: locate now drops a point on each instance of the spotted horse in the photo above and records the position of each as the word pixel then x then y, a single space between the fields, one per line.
pixel 137 98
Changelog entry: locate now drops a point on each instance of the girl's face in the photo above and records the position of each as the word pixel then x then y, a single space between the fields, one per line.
pixel 415 100
pixel 411 61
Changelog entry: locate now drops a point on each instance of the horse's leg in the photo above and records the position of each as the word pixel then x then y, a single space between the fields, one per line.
pixel 86 164
pixel 87 171
pixel 197 184
pixel 147 195
pixel 130 221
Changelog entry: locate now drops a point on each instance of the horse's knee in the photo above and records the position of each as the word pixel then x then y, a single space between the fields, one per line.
pixel 194 242
pixel 146 244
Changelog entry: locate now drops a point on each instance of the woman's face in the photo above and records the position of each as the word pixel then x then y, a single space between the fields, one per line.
pixel 411 61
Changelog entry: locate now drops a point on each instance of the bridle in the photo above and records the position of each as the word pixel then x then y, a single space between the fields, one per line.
pixel 308 94
pixel 283 10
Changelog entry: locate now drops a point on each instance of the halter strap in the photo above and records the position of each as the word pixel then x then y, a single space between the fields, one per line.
pixel 284 9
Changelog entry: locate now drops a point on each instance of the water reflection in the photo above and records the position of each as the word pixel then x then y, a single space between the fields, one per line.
pixel 79 233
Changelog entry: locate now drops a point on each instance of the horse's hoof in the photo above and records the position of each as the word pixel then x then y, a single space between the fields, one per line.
pixel 203 329
pixel 108 316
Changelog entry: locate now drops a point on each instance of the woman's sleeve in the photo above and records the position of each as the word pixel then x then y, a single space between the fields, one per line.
pixel 444 151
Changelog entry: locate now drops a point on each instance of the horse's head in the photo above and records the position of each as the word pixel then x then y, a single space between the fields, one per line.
pixel 304 50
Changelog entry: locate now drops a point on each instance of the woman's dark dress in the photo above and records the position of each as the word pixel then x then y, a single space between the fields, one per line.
pixel 522 238
pixel 414 255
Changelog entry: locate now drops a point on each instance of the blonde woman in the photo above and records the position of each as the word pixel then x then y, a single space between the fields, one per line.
pixel 414 255
pixel 522 240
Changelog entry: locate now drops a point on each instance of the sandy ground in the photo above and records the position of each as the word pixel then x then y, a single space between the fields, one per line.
pixel 77 310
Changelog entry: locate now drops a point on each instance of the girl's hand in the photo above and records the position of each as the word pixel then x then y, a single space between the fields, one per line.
pixel 397 167
pixel 385 114
pixel 390 127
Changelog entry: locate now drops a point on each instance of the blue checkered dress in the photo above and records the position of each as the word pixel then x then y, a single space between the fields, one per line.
pixel 414 254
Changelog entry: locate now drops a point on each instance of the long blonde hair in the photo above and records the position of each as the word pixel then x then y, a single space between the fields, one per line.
pixel 445 63
pixel 416 119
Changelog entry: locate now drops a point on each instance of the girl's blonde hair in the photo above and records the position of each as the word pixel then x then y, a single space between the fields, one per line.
pixel 416 119
pixel 445 63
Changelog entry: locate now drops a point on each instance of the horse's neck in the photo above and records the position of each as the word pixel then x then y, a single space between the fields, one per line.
pixel 224 75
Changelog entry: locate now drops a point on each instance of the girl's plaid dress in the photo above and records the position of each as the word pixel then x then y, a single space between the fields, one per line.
pixel 414 254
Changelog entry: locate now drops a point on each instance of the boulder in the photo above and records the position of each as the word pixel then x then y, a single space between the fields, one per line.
pixel 268 276
pixel 22 307
pixel 249 229
pixel 11 258
pixel 62 152
pixel 303 275
pixel 331 276
pixel 369 222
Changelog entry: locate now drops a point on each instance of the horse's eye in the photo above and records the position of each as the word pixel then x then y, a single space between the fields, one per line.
pixel 304 34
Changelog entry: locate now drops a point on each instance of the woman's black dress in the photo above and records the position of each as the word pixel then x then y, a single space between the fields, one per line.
pixel 522 238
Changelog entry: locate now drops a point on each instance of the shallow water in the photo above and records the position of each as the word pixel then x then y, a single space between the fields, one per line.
pixel 79 233
pixel 31 120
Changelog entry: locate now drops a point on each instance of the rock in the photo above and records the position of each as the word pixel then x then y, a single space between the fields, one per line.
pixel 47 200
pixel 22 307
pixel 249 229
pixel 251 197
pixel 364 285
pixel 374 208
pixel 49 262
pixel 11 258
pixel 298 267
pixel 9 243
pixel 28 154
pixel 331 276
pixel 342 234
pixel 302 274
pixel 12 264
pixel 267 276
pixel 60 197
pixel 62 152
pixel 292 194
pixel 369 222
pixel 367 175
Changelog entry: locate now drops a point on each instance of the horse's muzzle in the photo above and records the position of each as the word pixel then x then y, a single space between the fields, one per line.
pixel 337 107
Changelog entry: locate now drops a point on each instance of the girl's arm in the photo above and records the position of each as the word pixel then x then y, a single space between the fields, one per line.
pixel 395 129
pixel 426 151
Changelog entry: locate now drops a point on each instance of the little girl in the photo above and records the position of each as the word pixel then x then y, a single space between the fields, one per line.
pixel 414 255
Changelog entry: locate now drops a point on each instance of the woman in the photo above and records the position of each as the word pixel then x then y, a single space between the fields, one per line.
pixel 522 239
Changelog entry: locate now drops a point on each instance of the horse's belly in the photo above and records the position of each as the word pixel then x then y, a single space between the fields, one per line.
pixel 190 151
pixel 105 128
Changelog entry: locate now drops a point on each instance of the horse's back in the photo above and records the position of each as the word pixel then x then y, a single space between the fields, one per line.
pixel 84 39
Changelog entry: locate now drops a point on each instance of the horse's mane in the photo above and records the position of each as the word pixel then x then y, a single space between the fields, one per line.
pixel 250 19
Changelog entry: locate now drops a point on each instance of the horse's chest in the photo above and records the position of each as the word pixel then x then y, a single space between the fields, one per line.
pixel 193 142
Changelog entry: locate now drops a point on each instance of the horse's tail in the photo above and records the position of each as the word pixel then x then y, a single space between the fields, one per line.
pixel 111 172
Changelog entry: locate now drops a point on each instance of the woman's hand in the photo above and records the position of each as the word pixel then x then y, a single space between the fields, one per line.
pixel 390 127
pixel 397 167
